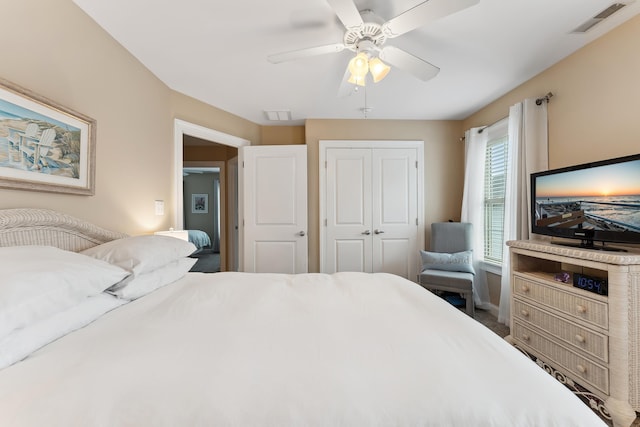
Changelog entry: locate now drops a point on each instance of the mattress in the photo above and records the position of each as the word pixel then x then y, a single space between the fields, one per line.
pixel 245 349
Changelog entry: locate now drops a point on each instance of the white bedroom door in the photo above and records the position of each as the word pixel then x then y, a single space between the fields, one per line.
pixel 273 187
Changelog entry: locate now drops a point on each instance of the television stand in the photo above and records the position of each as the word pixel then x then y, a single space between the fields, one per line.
pixel 584 339
pixel 589 244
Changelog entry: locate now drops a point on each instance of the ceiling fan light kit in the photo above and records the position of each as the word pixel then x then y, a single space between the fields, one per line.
pixel 366 35
pixel 378 69
pixel 360 65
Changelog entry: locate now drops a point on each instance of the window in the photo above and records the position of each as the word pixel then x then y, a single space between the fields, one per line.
pixel 495 180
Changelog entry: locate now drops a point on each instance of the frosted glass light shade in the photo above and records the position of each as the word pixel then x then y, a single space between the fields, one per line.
pixel 378 69
pixel 357 80
pixel 359 65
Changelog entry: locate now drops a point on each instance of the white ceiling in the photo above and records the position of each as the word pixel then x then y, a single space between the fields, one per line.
pixel 216 51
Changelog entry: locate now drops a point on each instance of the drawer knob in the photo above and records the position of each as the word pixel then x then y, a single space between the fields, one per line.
pixel 526 337
pixel 524 313
pixel 525 288
pixel 580 338
pixel 582 369
pixel 581 308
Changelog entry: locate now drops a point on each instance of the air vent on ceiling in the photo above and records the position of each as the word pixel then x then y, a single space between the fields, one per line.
pixel 591 22
pixel 278 115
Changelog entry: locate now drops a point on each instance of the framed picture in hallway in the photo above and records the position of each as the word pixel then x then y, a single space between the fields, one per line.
pixel 199 203
pixel 43 145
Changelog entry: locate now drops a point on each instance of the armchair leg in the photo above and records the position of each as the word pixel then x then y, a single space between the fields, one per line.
pixel 470 307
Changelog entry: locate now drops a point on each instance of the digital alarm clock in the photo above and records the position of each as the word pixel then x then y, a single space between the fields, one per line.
pixel 596 285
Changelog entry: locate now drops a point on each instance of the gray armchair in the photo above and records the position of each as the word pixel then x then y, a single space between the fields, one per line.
pixel 448 265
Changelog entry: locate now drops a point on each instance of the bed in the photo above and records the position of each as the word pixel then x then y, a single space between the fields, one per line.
pixel 199 238
pixel 247 349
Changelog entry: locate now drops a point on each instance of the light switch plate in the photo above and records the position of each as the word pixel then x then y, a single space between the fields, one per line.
pixel 159 206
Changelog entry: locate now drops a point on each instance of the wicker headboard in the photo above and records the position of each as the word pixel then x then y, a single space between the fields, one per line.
pixel 47 227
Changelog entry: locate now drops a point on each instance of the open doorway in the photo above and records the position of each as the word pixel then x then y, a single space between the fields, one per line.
pixel 204 211
pixel 197 146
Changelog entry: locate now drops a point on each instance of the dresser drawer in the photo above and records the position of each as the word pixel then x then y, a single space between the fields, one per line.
pixel 580 338
pixel 580 307
pixel 584 371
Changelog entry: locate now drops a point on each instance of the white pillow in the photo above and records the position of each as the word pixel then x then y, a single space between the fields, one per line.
pixel 142 254
pixel 22 342
pixel 138 285
pixel 38 281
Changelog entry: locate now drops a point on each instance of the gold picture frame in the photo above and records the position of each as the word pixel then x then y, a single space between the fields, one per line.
pixel 44 146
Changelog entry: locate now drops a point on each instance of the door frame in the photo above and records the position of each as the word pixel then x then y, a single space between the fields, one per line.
pixel 180 129
pixel 233 227
pixel 326 144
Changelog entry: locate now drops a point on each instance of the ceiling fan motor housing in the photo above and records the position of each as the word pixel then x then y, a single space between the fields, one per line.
pixel 368 37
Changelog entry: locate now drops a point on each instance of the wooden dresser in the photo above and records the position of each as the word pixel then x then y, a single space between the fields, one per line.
pixel 579 336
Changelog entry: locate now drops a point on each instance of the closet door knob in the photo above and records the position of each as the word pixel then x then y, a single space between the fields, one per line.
pixel 367 232
pixel 378 231
pixel 301 234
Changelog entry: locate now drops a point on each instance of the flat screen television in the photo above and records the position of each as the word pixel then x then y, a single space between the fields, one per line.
pixel 591 202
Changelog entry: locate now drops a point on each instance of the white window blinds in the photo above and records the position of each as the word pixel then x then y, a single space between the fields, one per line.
pixel 494 190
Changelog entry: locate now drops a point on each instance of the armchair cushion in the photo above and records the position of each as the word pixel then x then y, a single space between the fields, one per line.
pixel 446 280
pixel 458 261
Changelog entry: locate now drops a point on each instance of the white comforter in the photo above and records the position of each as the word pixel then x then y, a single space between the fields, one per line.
pixel 241 349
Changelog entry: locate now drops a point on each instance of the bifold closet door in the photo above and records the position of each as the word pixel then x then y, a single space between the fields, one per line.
pixel 348 231
pixel 371 210
pixel 394 217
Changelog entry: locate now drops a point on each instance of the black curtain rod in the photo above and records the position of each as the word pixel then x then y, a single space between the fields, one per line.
pixel 539 101
pixel 488 126
pixel 547 97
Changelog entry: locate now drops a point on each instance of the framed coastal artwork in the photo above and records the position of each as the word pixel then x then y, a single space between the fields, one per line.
pixel 200 203
pixel 43 145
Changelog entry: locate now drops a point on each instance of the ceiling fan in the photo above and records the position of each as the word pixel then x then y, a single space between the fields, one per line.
pixel 366 35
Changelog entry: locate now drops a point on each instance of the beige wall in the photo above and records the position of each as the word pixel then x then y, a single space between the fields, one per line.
pixel 595 111
pixel 282 135
pixel 209 152
pixel 194 111
pixel 52 48
pixel 443 165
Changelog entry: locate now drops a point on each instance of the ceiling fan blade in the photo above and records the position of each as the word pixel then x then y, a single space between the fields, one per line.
pixel 421 14
pixel 305 53
pixel 347 12
pixel 407 62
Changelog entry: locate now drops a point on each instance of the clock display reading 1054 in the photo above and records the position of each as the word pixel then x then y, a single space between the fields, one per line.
pixel 596 285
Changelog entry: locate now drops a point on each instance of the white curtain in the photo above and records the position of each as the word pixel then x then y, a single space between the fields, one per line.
pixel 473 208
pixel 527 153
